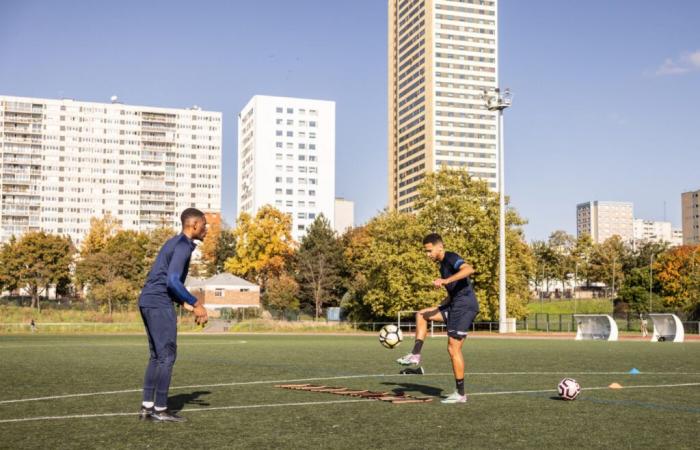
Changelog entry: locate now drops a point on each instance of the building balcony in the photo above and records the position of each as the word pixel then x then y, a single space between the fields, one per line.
pixel 25 120
pixel 158 127
pixel 21 139
pixel 23 108
pixel 151 119
pixel 153 138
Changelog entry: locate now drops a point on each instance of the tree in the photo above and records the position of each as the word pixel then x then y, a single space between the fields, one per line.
pixel 318 264
pixel 282 293
pixel 466 213
pixel 390 271
pixel 117 292
pixel 225 249
pixel 101 229
pixel 156 238
pixel 678 273
pixel 263 245
pixel 544 262
pixel 121 261
pixel 41 260
pixel 208 247
pixel 561 245
pixel 9 265
pixel 582 253
pixel 607 263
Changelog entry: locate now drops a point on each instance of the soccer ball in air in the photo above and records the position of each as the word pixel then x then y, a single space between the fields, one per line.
pixel 390 336
pixel 568 389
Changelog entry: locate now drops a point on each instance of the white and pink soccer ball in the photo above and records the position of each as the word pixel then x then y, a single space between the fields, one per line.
pixel 568 389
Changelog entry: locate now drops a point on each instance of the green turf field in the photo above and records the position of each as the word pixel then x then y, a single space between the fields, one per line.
pixel 224 385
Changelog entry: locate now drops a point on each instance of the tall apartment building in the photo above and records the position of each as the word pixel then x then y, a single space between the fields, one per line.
pixel 690 206
pixel 65 161
pixel 602 220
pixel 650 230
pixel 443 54
pixel 286 158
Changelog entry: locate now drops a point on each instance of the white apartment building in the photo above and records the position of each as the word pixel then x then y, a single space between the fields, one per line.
pixel 650 230
pixel 602 220
pixel 344 215
pixel 66 161
pixel 286 158
pixel 442 55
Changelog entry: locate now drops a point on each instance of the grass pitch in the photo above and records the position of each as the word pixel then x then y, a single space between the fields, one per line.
pixel 83 392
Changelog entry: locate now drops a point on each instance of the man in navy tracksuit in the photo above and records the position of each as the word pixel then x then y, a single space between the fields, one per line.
pixel 164 285
pixel 458 311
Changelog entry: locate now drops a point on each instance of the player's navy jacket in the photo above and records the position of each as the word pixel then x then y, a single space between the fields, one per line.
pixel 449 266
pixel 164 283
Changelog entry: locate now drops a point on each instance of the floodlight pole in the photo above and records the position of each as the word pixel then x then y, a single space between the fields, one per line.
pixel 495 101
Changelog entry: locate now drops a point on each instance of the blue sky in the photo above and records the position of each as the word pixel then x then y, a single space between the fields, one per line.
pixel 606 92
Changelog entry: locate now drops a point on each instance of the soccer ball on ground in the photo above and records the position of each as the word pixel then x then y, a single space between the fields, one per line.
pixel 568 389
pixel 390 336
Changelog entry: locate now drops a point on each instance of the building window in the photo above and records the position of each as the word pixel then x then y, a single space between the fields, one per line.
pixel 219 293
pixel 290 110
pixel 279 110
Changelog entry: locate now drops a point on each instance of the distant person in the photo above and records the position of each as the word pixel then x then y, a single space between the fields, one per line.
pixel 164 286
pixel 32 325
pixel 645 332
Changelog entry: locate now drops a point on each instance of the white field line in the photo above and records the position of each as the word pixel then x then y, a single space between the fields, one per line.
pixel 272 405
pixel 343 377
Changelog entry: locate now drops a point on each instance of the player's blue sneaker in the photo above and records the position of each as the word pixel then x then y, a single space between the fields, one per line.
pixel 455 398
pixel 409 359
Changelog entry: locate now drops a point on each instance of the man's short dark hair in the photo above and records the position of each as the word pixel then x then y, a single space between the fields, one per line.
pixel 190 213
pixel 432 238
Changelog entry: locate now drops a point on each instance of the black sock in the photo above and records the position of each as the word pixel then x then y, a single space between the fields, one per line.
pixel 460 386
pixel 417 347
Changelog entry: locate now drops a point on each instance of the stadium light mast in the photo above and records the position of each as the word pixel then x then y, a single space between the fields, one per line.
pixel 497 101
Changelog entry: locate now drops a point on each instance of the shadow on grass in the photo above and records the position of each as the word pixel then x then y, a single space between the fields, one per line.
pixel 412 387
pixel 177 402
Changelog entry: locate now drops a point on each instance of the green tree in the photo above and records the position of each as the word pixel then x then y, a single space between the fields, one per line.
pixel 466 213
pixel 282 293
pixel 116 292
pixel 318 261
pixel 562 245
pixel 390 271
pixel 544 262
pixel 225 249
pixel 41 260
pixel 607 262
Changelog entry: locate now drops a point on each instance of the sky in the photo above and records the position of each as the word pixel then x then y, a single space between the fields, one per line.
pixel 605 92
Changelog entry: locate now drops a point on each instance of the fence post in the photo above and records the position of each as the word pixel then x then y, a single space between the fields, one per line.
pixel 560 324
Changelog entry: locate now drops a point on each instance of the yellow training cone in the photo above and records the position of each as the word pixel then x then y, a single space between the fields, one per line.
pixel 615 386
